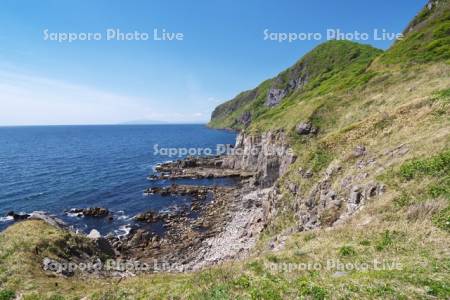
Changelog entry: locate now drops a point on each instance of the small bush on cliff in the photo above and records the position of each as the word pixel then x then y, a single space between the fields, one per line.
pixel 7 295
pixel 347 251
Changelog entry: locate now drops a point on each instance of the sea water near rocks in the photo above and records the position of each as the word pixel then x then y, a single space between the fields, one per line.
pixel 56 168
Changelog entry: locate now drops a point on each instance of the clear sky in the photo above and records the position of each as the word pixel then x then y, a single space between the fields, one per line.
pixel 222 52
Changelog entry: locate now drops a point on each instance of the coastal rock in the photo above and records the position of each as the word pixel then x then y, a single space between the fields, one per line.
pixel 96 212
pixel 148 217
pixel 48 218
pixel 140 237
pixel 197 168
pixel 18 217
pixel 94 234
pixel 268 156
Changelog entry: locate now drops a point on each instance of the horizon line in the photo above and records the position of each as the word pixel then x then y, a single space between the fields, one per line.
pixel 106 124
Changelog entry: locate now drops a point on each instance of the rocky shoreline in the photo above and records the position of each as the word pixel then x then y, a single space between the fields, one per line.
pixel 223 222
pixel 192 234
pixel 220 223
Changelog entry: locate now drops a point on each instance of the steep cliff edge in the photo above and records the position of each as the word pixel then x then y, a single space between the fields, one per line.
pixel 268 154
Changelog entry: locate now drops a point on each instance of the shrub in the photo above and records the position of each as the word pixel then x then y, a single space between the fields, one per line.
pixel 308 289
pixel 434 166
pixel 442 219
pixel 386 240
pixel 7 295
pixel 347 251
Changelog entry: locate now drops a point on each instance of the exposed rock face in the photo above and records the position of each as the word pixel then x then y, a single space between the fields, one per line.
pixel 245 118
pixel 298 78
pixel 268 155
pixel 274 96
pixel 359 194
pixel 332 199
pixel 321 201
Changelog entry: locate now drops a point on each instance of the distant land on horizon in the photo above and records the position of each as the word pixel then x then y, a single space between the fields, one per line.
pixel 143 122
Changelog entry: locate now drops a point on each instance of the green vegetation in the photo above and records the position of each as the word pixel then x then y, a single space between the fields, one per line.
pixel 338 68
pixel 427 38
pixel 428 180
pixel 442 219
pixel 347 251
pixel 7 295
pixel 437 166
pixel 332 66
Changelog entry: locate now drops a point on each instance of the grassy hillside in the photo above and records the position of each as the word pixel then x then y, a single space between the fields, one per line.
pixel 397 104
pixel 335 64
pixel 336 68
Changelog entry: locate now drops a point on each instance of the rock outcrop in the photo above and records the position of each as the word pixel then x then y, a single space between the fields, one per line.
pixel 267 155
pixel 306 128
pixel 96 212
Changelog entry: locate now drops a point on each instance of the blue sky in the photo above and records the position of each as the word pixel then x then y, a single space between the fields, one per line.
pixel 223 52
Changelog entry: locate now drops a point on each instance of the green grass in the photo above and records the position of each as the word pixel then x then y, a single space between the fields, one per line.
pixel 442 219
pixel 428 179
pixel 332 66
pixel 428 41
pixel 340 67
pixel 435 166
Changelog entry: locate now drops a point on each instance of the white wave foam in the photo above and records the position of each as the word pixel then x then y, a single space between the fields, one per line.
pixel 123 217
pixel 123 230
pixel 6 219
pixel 73 215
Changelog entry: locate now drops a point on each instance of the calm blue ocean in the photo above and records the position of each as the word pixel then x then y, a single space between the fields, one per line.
pixel 55 168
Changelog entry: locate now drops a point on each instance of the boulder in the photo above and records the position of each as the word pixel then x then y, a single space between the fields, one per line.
pixel 308 173
pixel 148 217
pixel 94 234
pixel 306 128
pixel 97 212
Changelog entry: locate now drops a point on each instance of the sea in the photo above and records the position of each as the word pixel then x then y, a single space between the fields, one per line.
pixel 57 168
